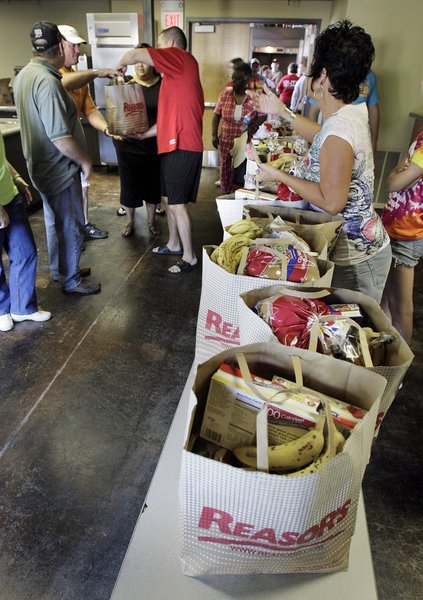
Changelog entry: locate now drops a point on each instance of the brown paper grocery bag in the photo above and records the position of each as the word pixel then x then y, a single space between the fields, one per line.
pixel 329 225
pixel 126 112
pixel 398 355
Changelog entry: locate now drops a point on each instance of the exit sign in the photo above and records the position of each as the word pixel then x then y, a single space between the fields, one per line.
pixel 172 14
pixel 172 19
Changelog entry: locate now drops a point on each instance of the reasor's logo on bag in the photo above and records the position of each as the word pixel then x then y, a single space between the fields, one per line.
pixel 130 108
pixel 221 331
pixel 237 534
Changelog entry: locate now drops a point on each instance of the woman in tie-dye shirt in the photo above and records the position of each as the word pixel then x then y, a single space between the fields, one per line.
pixel 403 220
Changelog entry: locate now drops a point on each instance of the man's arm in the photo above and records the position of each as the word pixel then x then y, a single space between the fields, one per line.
pixel 69 148
pixel 96 120
pixel 137 55
pixel 77 79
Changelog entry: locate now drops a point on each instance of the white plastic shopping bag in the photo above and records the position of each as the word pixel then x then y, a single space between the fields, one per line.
pixel 237 521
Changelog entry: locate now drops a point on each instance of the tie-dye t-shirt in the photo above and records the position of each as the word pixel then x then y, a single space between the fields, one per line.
pixel 403 213
pixel 362 234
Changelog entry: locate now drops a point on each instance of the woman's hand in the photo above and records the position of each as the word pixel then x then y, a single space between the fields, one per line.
pixel 215 141
pixel 23 188
pixel 266 174
pixel 150 133
pixel 4 218
pixel 266 101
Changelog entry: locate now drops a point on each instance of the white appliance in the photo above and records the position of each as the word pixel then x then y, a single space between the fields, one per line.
pixel 110 36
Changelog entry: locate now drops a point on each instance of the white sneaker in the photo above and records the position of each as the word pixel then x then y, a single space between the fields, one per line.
pixel 6 323
pixel 40 315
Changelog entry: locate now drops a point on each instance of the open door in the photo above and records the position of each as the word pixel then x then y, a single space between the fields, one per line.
pixel 213 52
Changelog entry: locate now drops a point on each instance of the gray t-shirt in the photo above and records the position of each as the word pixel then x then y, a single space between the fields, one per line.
pixel 46 113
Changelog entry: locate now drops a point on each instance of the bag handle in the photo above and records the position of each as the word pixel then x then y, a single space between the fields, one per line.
pixel 315 329
pixel 262 440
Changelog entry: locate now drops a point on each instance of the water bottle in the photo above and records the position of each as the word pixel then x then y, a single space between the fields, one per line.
pixel 246 121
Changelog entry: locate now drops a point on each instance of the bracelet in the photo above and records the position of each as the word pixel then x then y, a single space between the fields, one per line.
pixel 95 73
pixel 16 177
pixel 291 114
pixel 106 131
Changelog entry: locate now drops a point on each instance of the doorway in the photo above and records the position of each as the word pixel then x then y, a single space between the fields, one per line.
pixel 214 42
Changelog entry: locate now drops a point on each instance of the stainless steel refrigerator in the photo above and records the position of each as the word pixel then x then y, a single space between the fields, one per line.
pixel 110 35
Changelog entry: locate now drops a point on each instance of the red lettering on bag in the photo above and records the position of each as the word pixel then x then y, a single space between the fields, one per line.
pixel 243 529
pixel 309 535
pixel 288 538
pixel 266 537
pixel 213 515
pixel 215 322
pixel 265 534
pixel 129 108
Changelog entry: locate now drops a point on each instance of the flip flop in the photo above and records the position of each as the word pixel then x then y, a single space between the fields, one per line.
pixel 165 251
pixel 184 267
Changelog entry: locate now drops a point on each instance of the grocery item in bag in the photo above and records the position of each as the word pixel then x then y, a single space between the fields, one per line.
pixel 280 262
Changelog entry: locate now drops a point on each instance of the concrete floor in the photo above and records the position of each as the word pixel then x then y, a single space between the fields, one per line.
pixel 87 399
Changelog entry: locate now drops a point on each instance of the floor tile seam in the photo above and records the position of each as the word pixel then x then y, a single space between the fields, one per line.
pixel 12 437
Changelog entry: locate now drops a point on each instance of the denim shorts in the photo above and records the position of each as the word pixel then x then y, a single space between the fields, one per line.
pixel 406 253
pixel 368 277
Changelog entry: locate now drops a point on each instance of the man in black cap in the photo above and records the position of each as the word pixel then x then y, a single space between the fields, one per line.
pixel 54 147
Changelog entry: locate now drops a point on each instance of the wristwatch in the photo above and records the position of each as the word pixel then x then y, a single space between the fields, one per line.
pixel 95 73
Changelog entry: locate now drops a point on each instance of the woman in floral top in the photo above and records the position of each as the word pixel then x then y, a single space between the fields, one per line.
pixel 337 174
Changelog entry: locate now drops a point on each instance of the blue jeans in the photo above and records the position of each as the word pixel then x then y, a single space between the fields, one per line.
pixel 64 219
pixel 19 296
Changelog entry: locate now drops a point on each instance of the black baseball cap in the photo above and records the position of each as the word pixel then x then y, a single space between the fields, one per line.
pixel 45 35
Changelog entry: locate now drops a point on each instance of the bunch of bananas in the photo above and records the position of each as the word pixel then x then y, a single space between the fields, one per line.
pixel 334 443
pixel 300 456
pixel 295 454
pixel 228 255
pixel 246 227
pixel 282 162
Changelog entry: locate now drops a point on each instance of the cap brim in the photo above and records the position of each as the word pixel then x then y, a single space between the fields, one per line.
pixel 75 40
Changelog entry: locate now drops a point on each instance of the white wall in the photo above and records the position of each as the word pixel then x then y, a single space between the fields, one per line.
pixel 395 26
pixel 17 18
pixel 396 30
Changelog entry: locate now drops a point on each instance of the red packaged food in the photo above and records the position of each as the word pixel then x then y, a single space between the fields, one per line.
pixel 291 318
pixel 285 193
pixel 266 262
